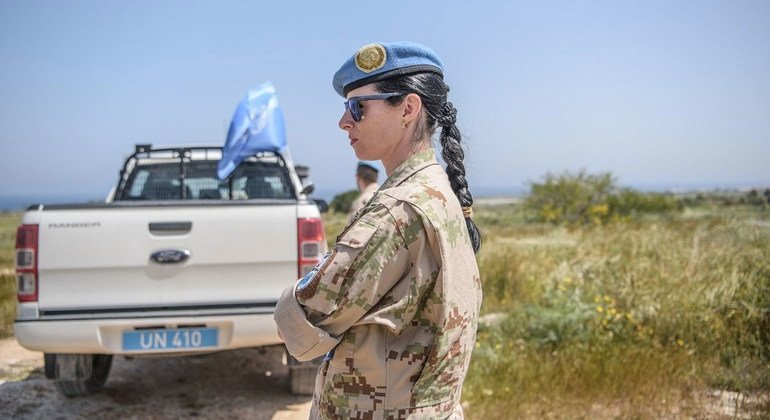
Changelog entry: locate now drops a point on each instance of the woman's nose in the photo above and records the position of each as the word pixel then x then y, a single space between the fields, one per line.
pixel 346 122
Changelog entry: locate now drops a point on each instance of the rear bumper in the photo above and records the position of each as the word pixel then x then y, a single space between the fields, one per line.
pixel 105 336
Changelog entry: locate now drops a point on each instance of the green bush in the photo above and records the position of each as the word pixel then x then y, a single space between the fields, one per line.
pixel 757 198
pixel 582 198
pixel 571 198
pixel 629 202
pixel 342 202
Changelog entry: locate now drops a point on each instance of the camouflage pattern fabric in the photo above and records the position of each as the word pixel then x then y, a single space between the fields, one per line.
pixel 395 304
pixel 366 194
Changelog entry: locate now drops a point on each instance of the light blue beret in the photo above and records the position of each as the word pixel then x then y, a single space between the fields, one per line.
pixel 375 62
pixel 373 164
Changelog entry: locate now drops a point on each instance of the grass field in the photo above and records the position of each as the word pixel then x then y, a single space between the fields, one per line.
pixel 8 224
pixel 637 319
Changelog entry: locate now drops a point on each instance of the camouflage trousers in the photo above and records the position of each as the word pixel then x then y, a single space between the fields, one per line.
pixel 325 408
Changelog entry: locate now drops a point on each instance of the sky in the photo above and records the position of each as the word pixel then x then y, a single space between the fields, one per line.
pixel 662 94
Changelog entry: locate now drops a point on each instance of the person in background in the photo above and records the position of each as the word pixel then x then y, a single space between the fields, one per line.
pixel 394 306
pixel 366 181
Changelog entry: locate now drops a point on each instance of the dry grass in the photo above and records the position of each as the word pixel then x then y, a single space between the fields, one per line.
pixel 7 304
pixel 8 224
pixel 640 318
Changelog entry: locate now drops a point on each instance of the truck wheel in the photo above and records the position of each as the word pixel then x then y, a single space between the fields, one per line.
pixel 302 375
pixel 49 365
pixel 78 375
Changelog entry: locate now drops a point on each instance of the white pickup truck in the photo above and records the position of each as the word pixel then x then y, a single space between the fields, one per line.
pixel 174 262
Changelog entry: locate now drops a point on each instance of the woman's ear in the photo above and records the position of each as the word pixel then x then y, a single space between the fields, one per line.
pixel 412 107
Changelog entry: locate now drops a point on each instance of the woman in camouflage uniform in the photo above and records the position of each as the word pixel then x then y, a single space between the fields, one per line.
pixel 394 305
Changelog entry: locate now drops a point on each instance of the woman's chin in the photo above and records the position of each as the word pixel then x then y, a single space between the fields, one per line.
pixel 362 155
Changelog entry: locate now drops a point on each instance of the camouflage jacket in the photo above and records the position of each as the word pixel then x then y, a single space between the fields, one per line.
pixel 395 304
pixel 363 198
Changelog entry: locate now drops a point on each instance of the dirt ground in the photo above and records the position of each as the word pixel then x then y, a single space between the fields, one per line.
pixel 246 383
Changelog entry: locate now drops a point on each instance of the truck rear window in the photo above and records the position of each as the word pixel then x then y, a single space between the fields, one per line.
pixel 155 179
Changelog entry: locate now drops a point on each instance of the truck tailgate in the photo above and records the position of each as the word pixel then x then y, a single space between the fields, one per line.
pixel 101 258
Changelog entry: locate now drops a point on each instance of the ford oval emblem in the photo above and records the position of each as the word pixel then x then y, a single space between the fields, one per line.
pixel 170 256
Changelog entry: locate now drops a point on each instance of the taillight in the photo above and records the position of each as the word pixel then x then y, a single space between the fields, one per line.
pixel 26 263
pixel 311 244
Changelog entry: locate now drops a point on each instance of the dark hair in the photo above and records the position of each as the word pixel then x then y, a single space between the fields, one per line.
pixel 366 173
pixel 430 87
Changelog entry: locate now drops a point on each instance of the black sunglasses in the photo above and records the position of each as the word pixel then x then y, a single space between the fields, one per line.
pixel 354 103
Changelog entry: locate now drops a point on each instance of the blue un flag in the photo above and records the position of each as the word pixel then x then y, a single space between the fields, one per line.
pixel 257 126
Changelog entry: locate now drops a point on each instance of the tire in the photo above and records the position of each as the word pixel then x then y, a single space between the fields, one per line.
pixel 302 375
pixel 49 365
pixel 85 381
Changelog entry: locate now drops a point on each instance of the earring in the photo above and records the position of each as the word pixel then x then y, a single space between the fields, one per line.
pixel 404 124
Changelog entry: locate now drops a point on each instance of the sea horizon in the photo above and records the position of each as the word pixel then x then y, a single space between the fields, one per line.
pixel 18 202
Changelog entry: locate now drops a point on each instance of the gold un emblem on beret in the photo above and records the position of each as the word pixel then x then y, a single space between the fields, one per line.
pixel 370 58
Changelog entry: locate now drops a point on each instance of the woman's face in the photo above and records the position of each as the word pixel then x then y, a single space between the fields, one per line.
pixel 379 132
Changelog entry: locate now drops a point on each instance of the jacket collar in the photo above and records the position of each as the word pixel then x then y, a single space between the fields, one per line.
pixel 409 167
pixel 370 189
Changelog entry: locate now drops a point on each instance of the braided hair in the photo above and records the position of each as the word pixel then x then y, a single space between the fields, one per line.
pixel 432 90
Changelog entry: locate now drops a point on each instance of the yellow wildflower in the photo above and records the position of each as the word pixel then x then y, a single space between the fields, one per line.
pixel 600 209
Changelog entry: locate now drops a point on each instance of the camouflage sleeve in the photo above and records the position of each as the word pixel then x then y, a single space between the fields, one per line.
pixel 365 263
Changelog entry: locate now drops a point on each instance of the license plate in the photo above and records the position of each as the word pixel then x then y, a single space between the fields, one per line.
pixel 170 339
